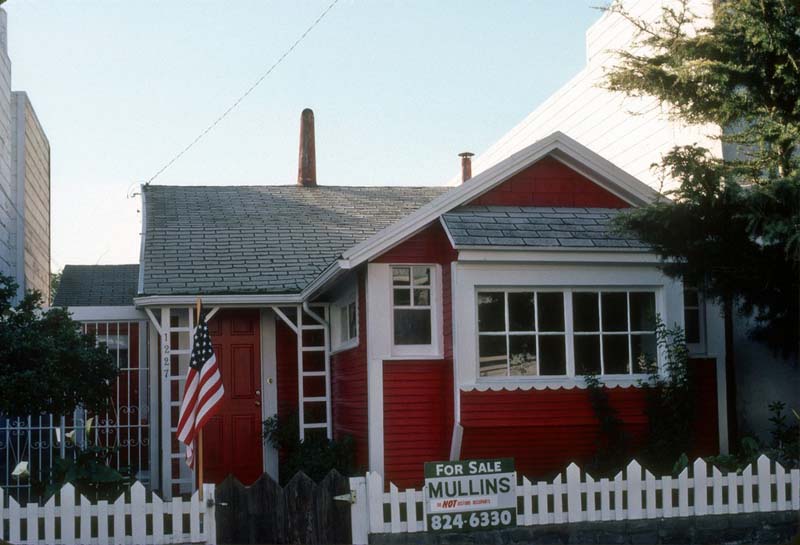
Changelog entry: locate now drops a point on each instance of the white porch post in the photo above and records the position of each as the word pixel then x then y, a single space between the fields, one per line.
pixel 164 373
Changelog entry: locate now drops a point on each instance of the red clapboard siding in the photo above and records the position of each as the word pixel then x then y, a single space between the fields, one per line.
pixel 417 417
pixel 543 430
pixel 349 387
pixel 549 183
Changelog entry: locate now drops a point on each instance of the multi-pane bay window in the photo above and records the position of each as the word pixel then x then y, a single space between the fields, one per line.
pixel 411 305
pixel 531 332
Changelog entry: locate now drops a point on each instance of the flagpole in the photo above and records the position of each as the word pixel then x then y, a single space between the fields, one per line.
pixel 198 306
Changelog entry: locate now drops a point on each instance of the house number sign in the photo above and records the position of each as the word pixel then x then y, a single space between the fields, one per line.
pixel 165 355
pixel 470 494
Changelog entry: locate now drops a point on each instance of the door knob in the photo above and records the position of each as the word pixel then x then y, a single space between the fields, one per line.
pixel 258 392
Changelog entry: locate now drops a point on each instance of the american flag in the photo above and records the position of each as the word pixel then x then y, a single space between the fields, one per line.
pixel 202 397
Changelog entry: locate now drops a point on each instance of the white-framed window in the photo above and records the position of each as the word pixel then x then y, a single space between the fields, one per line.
pixel 564 332
pixel 344 322
pixel 694 321
pixel 414 309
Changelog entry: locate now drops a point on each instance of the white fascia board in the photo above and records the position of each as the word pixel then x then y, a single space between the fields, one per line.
pixel 106 314
pixel 556 255
pixel 558 144
pixel 218 300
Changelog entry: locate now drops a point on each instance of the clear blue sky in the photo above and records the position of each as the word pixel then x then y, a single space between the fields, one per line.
pixel 398 89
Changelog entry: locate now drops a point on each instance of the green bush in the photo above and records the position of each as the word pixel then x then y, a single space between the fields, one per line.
pixel 315 456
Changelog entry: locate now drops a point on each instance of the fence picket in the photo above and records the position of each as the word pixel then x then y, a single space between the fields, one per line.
pixel 666 497
pixel 683 493
pixel 13 520
pixel 374 495
pixel 633 474
pixel 32 516
pixel 764 484
pixel 394 509
pixel 138 522
pixel 558 491
pixel 102 521
pixel 359 511
pixel 209 519
pixel 50 520
pixel 411 509
pixel 605 499
pixel 650 495
pixel 574 510
pixel 619 513
pixel 780 487
pixel 67 509
pixel 591 490
pixel 2 518
pixel 119 520
pixel 85 519
pixel 700 487
pixel 194 517
pixel 747 489
pixel 795 489
pixel 177 516
pixel 718 507
pixel 733 493
pixel 544 512
pixel 527 501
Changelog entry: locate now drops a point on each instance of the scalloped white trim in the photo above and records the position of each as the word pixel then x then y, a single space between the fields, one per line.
pixel 567 384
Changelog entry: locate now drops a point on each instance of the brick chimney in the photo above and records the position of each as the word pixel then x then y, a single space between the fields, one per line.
pixel 466 165
pixel 307 164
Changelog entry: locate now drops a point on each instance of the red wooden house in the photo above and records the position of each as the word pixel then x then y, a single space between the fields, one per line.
pixel 426 323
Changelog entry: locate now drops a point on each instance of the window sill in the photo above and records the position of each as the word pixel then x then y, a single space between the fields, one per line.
pixel 411 352
pixel 343 347
pixel 550 383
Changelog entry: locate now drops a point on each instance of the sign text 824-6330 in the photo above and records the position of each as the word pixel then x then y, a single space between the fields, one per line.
pixel 471 494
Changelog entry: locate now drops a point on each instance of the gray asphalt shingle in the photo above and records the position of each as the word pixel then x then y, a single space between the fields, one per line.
pixel 260 239
pixel 97 285
pixel 541 227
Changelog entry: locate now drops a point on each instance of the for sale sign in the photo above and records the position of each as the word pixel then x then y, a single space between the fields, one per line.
pixel 471 494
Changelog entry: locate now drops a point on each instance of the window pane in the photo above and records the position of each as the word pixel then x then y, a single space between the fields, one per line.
pixel 553 358
pixel 690 297
pixel 691 319
pixel 521 315
pixel 422 276
pixel 352 323
pixel 587 354
pixel 644 346
pixel 343 321
pixel 522 359
pixel 422 298
pixel 491 311
pixel 615 311
pixel 492 355
pixel 643 311
pixel 401 276
pixel 585 312
pixel 551 311
pixel 412 326
pixel 402 297
pixel 615 354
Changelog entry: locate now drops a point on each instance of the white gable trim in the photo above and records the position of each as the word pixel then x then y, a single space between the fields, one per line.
pixel 558 145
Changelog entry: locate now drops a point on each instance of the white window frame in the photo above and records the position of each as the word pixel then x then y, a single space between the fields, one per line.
pixel 343 303
pixel 569 331
pixel 410 351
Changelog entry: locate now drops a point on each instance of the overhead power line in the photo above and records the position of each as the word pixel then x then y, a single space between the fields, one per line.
pixel 244 95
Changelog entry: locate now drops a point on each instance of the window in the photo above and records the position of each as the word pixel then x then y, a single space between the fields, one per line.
pixel 693 318
pixel 529 332
pixel 614 331
pixel 411 305
pixel 344 323
pixel 521 333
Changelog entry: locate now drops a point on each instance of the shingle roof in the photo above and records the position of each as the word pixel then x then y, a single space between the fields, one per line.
pixel 260 239
pixel 97 285
pixel 538 227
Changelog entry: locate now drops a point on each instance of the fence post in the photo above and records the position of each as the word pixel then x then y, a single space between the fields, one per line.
pixel 700 487
pixel 209 516
pixel 375 502
pixel 359 514
pixel 575 512
pixel 634 475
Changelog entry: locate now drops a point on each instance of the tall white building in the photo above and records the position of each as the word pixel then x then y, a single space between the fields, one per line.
pixel 24 184
pixel 634 134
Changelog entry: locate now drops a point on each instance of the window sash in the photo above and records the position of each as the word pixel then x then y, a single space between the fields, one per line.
pixel 412 287
pixel 568 329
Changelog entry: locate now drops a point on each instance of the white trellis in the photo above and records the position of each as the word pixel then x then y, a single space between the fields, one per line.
pixel 577 497
pixel 135 518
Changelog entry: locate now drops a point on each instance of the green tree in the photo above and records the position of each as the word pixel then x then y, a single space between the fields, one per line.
pixel 55 282
pixel 730 226
pixel 47 365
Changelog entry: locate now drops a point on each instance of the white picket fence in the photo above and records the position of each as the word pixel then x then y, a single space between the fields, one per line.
pixel 632 494
pixel 132 519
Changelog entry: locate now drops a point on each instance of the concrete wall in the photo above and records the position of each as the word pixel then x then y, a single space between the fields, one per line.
pixel 31 171
pixel 8 215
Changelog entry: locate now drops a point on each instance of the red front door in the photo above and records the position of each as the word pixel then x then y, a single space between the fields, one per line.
pixel 232 438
